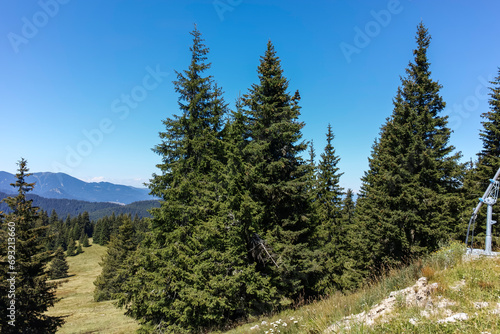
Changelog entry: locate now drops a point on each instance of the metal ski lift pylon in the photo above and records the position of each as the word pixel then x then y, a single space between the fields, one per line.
pixel 489 198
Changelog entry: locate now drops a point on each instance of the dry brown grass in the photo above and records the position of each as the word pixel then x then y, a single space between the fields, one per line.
pixel 428 272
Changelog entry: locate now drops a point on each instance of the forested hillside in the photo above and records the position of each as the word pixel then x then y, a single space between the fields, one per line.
pixel 96 210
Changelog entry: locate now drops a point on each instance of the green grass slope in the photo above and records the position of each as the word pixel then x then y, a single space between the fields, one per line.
pixel 83 315
pixel 464 289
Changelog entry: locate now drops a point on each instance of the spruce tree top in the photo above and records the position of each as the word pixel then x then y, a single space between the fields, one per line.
pixel 192 140
pixel 490 135
pixel 273 113
pixel 20 206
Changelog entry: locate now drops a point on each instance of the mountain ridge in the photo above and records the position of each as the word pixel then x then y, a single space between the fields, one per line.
pixel 63 186
pixel 73 207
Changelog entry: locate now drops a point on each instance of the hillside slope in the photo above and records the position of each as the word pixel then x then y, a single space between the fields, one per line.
pixel 83 315
pixel 453 295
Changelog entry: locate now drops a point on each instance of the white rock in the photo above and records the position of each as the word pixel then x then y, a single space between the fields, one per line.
pixel 480 305
pixel 454 318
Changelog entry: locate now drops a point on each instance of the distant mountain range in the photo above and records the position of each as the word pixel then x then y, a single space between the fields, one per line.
pixel 64 186
pixel 96 210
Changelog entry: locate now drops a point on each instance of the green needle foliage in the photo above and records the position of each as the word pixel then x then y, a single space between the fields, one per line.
pixel 71 251
pixel 33 295
pixel 278 180
pixel 58 267
pixel 490 135
pixel 331 229
pixel 409 199
pixel 114 270
pixel 478 176
pixel 182 278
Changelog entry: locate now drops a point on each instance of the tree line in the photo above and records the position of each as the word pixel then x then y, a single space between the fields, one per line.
pixel 73 207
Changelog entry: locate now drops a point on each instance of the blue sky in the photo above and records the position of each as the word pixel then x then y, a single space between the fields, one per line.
pixel 86 84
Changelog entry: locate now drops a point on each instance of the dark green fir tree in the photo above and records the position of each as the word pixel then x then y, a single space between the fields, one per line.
pixel 479 175
pixel 114 271
pixel 278 179
pixel 409 199
pixel 85 241
pixel 79 249
pixel 71 251
pixel 59 266
pixel 25 275
pixel 352 247
pixel 330 233
pixel 178 281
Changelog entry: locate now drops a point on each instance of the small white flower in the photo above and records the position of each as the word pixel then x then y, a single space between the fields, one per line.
pixel 295 322
pixel 284 324
pixel 263 323
pixel 292 318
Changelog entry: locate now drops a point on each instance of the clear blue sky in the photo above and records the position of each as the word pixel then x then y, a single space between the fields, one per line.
pixel 86 84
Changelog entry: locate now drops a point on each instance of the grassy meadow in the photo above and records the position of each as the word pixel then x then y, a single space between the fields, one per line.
pixel 82 314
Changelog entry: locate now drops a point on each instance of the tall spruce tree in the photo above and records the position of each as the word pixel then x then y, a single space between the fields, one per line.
pixel 71 251
pixel 25 277
pixel 478 176
pixel 114 271
pixel 352 254
pixel 313 174
pixel 409 199
pixel 180 275
pixel 490 134
pixel 59 266
pixel 277 180
pixel 330 232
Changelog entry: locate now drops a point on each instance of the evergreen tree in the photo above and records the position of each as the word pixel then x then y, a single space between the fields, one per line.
pixel 80 240
pixel 71 251
pixel 313 177
pixel 352 252
pixel 26 269
pixel 85 241
pixel 85 223
pixel 114 272
pixel 348 207
pixel 409 199
pixel 102 233
pixel 478 176
pixel 61 240
pixel 79 249
pixel 178 280
pixel 490 134
pixel 53 231
pixel 278 180
pixel 328 205
pixel 58 267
